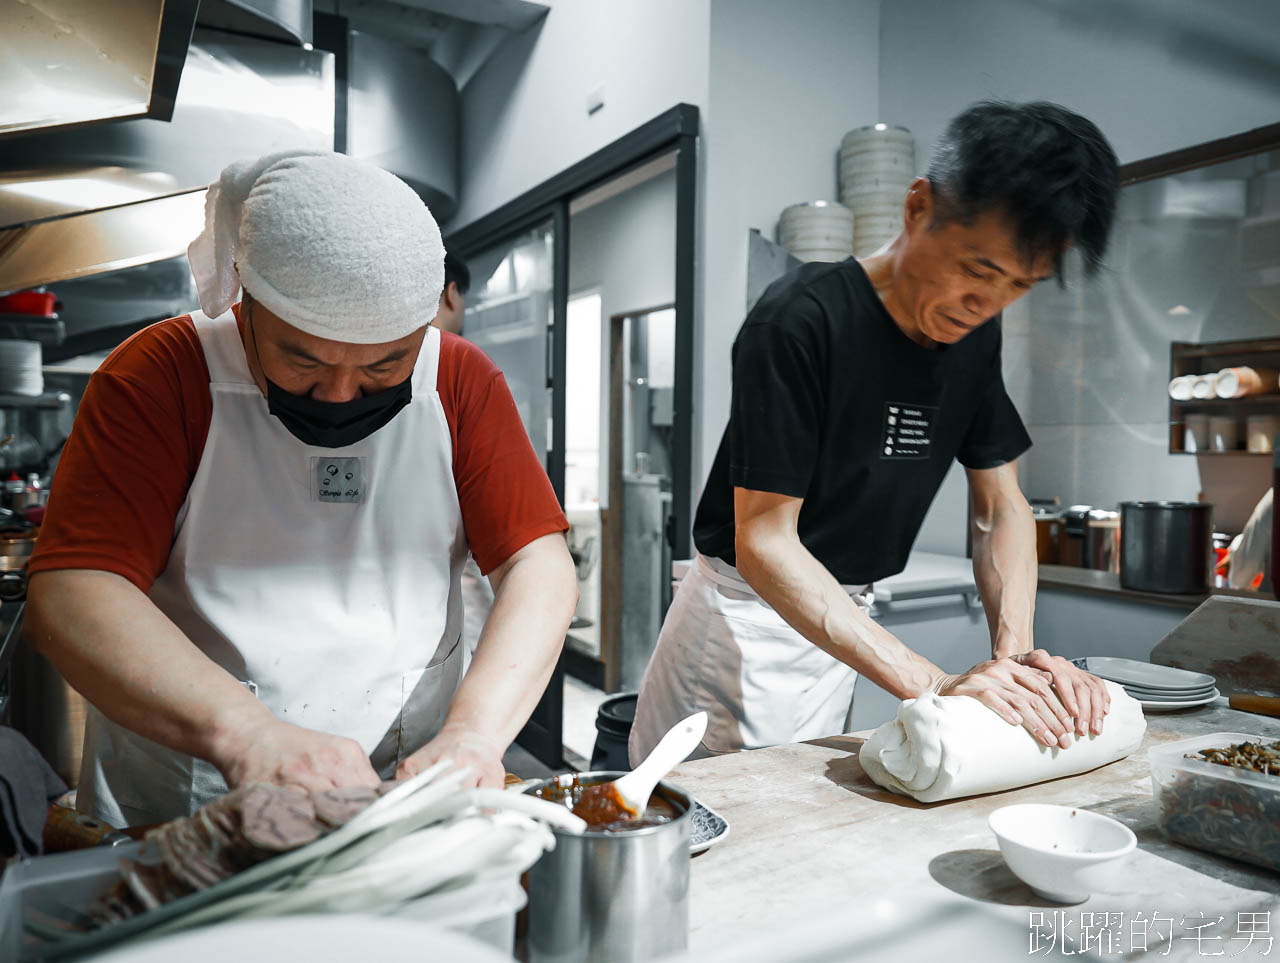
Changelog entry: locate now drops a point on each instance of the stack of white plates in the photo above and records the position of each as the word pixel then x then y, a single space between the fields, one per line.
pixel 877 165
pixel 1157 687
pixel 20 372
pixel 817 231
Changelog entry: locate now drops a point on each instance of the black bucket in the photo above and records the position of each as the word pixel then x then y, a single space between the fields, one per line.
pixel 613 729
pixel 1166 546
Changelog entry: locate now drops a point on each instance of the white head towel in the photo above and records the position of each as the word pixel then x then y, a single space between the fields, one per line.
pixel 336 247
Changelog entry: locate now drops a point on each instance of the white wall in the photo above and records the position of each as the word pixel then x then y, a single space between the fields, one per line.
pixel 787 80
pixel 624 248
pixel 1154 75
pixel 524 114
pixel 777 85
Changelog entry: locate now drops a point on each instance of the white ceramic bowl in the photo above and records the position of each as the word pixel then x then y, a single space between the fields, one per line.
pixel 1064 854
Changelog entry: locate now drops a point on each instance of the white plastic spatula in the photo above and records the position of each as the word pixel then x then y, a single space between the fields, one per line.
pixel 636 787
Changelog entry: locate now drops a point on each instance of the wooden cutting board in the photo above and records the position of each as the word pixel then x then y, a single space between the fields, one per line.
pixel 1235 640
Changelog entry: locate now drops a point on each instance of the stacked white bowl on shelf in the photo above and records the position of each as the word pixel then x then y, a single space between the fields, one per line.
pixel 20 368
pixel 817 231
pixel 877 165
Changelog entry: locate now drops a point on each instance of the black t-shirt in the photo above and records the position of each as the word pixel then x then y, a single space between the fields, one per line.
pixel 834 404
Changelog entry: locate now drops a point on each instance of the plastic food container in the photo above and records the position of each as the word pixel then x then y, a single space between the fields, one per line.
pixel 1220 809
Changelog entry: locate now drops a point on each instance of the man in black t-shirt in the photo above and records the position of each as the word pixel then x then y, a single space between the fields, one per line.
pixel 855 385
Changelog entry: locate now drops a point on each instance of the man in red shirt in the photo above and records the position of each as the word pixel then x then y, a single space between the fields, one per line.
pixel 251 555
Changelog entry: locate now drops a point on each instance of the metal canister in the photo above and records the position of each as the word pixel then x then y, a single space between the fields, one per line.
pixel 1102 541
pixel 612 896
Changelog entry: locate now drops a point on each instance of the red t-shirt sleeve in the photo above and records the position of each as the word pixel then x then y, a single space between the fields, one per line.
pixel 134 448
pixel 141 429
pixel 506 498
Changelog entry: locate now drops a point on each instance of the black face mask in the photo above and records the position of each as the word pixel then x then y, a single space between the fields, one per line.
pixel 336 424
pixel 332 424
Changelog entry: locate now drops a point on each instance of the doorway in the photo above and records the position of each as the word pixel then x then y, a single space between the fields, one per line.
pixel 603 251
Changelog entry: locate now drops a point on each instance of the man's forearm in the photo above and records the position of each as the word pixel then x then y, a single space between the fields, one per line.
pixel 1005 568
pixel 787 576
pixel 520 643
pixel 111 643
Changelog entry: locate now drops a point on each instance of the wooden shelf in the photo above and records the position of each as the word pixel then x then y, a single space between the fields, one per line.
pixel 1190 358
pixel 1251 401
pixel 1218 454
pixel 1215 349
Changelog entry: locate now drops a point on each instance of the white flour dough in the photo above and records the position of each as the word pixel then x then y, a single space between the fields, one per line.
pixel 943 747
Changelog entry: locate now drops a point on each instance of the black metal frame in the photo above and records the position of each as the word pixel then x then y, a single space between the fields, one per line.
pixel 674 129
pixel 1201 155
pixel 177 25
pixel 329 32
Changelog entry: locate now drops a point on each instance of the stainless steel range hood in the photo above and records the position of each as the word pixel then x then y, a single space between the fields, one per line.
pixel 79 202
pixel 98 241
pixel 71 62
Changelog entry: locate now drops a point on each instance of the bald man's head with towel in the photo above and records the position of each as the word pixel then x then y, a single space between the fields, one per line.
pixel 336 247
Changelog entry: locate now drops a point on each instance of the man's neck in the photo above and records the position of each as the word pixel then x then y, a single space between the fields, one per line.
pixel 883 271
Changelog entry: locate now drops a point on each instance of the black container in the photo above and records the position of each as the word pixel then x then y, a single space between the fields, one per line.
pixel 613 729
pixel 1071 547
pixel 1166 546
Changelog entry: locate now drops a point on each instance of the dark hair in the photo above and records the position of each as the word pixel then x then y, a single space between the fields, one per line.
pixel 1050 170
pixel 456 270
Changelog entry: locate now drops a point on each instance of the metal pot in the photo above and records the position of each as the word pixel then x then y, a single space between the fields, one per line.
pixel 1102 541
pixel 1166 546
pixel 15 550
pixel 612 896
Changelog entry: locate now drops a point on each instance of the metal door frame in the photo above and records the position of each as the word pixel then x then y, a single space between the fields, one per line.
pixel 675 129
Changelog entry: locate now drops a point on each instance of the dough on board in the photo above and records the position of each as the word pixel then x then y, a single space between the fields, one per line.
pixel 944 747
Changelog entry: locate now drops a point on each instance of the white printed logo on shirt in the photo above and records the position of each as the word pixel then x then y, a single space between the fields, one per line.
pixel 908 430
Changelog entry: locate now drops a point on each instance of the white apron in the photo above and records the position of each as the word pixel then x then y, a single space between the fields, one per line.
pixel 725 650
pixel 325 580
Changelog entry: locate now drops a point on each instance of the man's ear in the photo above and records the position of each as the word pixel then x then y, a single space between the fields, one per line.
pixel 919 204
pixel 449 297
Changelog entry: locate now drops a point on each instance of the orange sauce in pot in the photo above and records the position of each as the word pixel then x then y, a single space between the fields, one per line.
pixel 603 810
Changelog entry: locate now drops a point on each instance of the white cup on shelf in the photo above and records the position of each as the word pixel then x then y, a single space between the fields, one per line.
pixel 1224 432
pixel 1180 387
pixel 1205 386
pixel 1196 435
pixel 1260 432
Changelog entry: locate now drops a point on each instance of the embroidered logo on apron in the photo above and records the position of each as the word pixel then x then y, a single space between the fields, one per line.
pixel 907 430
pixel 337 479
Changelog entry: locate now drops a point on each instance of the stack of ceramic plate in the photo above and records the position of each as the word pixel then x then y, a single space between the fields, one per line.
pixel 1155 686
pixel 877 165
pixel 817 231
pixel 20 371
